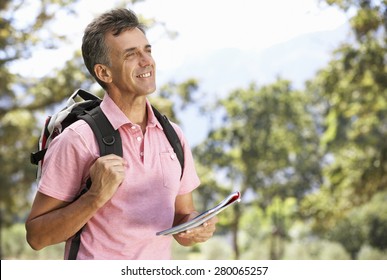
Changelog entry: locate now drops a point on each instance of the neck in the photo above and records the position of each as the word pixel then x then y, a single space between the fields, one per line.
pixel 133 107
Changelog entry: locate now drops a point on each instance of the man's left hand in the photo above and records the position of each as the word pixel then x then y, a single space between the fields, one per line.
pixel 198 234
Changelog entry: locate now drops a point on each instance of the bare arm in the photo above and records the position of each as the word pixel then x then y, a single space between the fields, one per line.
pixel 52 221
pixel 185 211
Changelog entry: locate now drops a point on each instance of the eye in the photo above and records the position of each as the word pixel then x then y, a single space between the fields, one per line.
pixel 130 53
pixel 148 49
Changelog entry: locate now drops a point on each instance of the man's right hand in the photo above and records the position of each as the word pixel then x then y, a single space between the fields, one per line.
pixel 107 174
pixel 52 221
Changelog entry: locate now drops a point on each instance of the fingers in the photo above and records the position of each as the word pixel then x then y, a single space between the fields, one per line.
pixel 107 174
pixel 107 168
pixel 111 160
pixel 201 233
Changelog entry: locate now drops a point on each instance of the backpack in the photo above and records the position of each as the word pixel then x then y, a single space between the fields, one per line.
pixel 109 140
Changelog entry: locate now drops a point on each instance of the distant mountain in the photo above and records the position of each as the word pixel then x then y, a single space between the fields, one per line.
pixel 300 58
pixel 297 60
pixel 223 70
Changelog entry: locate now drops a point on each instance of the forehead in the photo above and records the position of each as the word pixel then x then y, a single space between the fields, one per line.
pixel 130 38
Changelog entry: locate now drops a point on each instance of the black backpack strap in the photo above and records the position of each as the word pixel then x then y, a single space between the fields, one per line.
pixel 85 95
pixel 109 139
pixel 172 137
pixel 109 142
pixel 35 157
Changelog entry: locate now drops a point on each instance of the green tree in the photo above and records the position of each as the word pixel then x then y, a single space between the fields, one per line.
pixel 281 215
pixel 352 92
pixel 266 145
pixel 18 40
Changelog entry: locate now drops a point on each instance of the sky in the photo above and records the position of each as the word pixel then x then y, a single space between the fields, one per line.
pixel 207 25
pixel 203 26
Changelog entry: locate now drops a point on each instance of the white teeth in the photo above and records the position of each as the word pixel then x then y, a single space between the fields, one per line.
pixel 145 75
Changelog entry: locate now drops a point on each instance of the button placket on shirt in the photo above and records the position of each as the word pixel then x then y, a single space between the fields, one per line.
pixel 137 134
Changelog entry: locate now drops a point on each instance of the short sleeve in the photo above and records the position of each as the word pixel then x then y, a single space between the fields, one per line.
pixel 67 162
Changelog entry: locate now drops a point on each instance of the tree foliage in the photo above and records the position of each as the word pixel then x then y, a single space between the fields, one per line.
pixel 21 96
pixel 353 91
pixel 268 140
pixel 266 146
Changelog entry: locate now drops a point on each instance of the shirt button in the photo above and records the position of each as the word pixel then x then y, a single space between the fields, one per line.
pixel 173 156
pixel 142 154
pixel 138 138
pixel 133 127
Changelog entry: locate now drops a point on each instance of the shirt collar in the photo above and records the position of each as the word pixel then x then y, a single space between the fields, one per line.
pixel 117 118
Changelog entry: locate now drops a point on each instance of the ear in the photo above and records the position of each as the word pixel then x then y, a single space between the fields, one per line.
pixel 103 73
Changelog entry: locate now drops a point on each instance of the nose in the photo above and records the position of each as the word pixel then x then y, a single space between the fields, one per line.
pixel 146 59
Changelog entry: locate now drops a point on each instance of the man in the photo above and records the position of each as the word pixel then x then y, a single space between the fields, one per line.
pixel 133 197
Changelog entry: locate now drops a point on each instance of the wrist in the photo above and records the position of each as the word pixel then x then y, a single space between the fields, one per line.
pixel 93 200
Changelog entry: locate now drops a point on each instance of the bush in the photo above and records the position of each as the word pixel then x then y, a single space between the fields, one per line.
pixel 15 246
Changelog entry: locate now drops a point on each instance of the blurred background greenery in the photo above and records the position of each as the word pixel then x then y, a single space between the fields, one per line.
pixel 311 163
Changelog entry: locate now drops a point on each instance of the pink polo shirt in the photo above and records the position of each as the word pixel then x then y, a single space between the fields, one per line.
pixel 126 226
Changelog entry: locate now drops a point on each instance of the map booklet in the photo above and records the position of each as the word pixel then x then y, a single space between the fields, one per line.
pixel 206 215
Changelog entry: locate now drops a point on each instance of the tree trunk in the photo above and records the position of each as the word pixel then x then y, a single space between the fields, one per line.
pixel 235 229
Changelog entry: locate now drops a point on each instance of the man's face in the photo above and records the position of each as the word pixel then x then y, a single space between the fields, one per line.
pixel 133 68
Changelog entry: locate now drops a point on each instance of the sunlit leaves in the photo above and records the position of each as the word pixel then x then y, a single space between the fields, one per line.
pixel 18 104
pixel 353 89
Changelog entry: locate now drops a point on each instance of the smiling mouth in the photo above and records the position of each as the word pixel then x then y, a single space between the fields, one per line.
pixel 144 75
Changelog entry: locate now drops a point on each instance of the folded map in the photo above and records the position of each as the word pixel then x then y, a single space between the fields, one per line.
pixel 205 216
